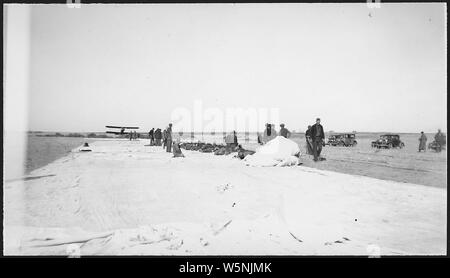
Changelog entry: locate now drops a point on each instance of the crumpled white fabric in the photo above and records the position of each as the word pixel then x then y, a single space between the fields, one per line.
pixel 279 151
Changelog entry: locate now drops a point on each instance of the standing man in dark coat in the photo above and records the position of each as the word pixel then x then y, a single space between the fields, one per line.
pixel 164 138
pixel 169 138
pixel 235 140
pixel 308 140
pixel 158 136
pixel 317 136
pixel 152 138
pixel 440 140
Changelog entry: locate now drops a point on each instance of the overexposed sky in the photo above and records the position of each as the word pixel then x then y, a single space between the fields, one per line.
pixel 357 68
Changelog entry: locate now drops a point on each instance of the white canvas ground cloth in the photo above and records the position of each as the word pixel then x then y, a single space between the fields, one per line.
pixel 279 151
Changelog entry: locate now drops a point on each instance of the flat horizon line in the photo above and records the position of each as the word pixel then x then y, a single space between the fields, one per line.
pixel 222 132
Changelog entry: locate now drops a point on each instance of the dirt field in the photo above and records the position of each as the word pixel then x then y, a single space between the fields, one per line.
pixel 402 165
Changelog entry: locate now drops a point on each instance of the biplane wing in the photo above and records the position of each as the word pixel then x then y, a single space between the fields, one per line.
pixel 125 127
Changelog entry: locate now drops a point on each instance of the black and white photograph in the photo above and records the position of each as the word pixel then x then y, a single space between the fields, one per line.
pixel 224 129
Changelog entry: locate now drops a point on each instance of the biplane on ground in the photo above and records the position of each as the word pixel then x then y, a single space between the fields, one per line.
pixel 122 129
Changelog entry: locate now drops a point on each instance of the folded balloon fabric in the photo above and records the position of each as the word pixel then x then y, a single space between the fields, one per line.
pixel 279 151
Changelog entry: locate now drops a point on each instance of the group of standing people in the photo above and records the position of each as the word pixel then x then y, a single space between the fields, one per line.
pixel 439 140
pixel 155 137
pixel 315 137
pixel 133 135
pixel 270 133
pixel 164 138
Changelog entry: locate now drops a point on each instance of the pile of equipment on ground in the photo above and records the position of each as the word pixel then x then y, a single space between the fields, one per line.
pixel 217 149
pixel 279 151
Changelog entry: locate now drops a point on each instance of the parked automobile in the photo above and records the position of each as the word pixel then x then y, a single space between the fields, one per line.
pixel 349 140
pixel 388 141
pixel 334 139
pixel 343 139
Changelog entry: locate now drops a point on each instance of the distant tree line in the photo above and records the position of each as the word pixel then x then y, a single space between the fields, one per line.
pixel 79 135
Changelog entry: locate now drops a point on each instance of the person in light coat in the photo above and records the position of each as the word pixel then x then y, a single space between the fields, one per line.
pixel 269 134
pixel 422 142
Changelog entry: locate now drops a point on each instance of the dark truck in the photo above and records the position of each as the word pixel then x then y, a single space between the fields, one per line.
pixel 388 141
pixel 342 139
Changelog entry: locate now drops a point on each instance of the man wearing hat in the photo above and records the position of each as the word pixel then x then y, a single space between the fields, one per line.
pixel 169 138
pixel 151 136
pixel 440 140
pixel 422 142
pixel 164 138
pixel 284 131
pixel 308 140
pixel 317 137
